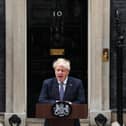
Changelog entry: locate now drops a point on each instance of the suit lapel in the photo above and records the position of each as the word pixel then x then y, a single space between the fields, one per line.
pixel 56 88
pixel 68 89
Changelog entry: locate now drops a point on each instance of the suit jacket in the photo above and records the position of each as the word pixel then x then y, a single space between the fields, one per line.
pixel 74 91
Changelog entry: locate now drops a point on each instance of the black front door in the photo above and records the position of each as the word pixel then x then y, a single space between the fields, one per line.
pixel 56 28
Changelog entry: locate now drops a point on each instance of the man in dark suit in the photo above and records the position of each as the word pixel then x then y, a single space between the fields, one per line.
pixel 73 91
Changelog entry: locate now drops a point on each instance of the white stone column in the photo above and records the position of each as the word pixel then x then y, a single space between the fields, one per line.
pixel 15 59
pixel 98 77
pixel 9 55
pixel 105 65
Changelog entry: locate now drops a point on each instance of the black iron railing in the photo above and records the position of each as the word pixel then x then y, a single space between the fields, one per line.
pixel 119 51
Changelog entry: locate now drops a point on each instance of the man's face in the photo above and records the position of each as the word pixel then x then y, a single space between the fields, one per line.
pixel 61 73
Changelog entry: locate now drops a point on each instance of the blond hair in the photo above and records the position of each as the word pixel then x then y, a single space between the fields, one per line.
pixel 62 62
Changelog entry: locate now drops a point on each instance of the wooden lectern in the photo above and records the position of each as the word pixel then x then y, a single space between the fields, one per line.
pixel 79 111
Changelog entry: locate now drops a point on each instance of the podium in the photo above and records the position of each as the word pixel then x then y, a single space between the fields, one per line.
pixel 79 111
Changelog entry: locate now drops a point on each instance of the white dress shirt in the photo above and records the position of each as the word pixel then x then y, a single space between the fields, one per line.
pixel 64 83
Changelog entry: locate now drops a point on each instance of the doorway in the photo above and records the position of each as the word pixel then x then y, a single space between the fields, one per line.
pixel 55 28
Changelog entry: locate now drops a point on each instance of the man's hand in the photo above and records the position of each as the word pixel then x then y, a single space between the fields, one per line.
pixel 68 102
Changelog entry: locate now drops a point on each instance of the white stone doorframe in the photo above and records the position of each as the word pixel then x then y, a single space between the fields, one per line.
pixel 98 71
pixel 16 58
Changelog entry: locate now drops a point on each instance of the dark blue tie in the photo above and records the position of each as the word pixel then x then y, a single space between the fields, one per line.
pixel 61 91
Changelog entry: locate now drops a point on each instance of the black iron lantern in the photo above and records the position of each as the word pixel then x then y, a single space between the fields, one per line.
pixel 14 120
pixel 100 120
